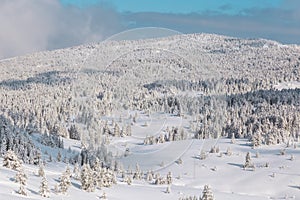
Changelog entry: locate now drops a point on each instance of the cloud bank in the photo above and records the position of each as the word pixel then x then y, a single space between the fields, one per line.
pixel 35 25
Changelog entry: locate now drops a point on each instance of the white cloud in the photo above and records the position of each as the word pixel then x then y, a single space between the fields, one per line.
pixel 35 25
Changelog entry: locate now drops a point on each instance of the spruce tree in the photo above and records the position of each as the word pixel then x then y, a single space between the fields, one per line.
pixel 169 178
pixel 68 171
pixel 44 190
pixel 22 179
pixel 58 157
pixel 12 161
pixel 248 163
pixel 64 183
pixel 76 172
pixel 87 180
pixel 41 171
pixel 22 190
pixel 207 193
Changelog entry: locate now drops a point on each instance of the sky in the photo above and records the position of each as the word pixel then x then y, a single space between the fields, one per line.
pixel 179 6
pixel 35 25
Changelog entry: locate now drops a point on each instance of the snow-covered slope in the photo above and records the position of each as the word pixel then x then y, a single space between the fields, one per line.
pixel 154 104
pixel 224 173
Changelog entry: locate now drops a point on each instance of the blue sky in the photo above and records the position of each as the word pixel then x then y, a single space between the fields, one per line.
pixel 180 6
pixel 36 25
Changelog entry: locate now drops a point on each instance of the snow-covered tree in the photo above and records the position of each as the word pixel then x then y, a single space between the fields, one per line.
pixel 64 183
pixel 256 139
pixel 87 179
pixel 12 161
pixel 76 172
pixel 44 190
pixel 228 151
pixel 202 155
pixel 73 132
pixel 128 180
pixel 108 177
pixel 58 157
pixel 41 171
pixel 137 173
pixel 68 171
pixel 116 130
pixel 21 178
pixel 128 130
pixel 149 176
pixel 22 190
pixel 207 193
pixel 169 178
pixel 248 163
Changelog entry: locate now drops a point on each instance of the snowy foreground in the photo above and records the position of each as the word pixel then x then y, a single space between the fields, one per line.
pixel 224 173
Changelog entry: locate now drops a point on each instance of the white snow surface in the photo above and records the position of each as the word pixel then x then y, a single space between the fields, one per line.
pixel 228 181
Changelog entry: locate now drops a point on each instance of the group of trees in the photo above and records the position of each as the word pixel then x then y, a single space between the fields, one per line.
pixel 174 134
pixel 12 161
pixel 13 138
pixel 206 195
pixel 90 177
pixel 263 116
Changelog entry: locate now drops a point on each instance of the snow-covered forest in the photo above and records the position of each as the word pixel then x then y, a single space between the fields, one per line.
pixel 174 115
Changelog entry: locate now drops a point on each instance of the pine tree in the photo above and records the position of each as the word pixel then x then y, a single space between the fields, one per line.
pixel 202 155
pixel 97 173
pixel 64 183
pixel 248 163
pixel 128 180
pixel 207 193
pixel 12 161
pixel 228 151
pixel 169 178
pixel 41 171
pixel 116 130
pixel 44 190
pixel 149 176
pixel 137 173
pixel 232 139
pixel 56 188
pixel 58 157
pixel 256 140
pixel 22 190
pixel 68 171
pixel 87 180
pixel 76 172
pixel 128 130
pixel 22 179
pixel 97 165
pixel 74 133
